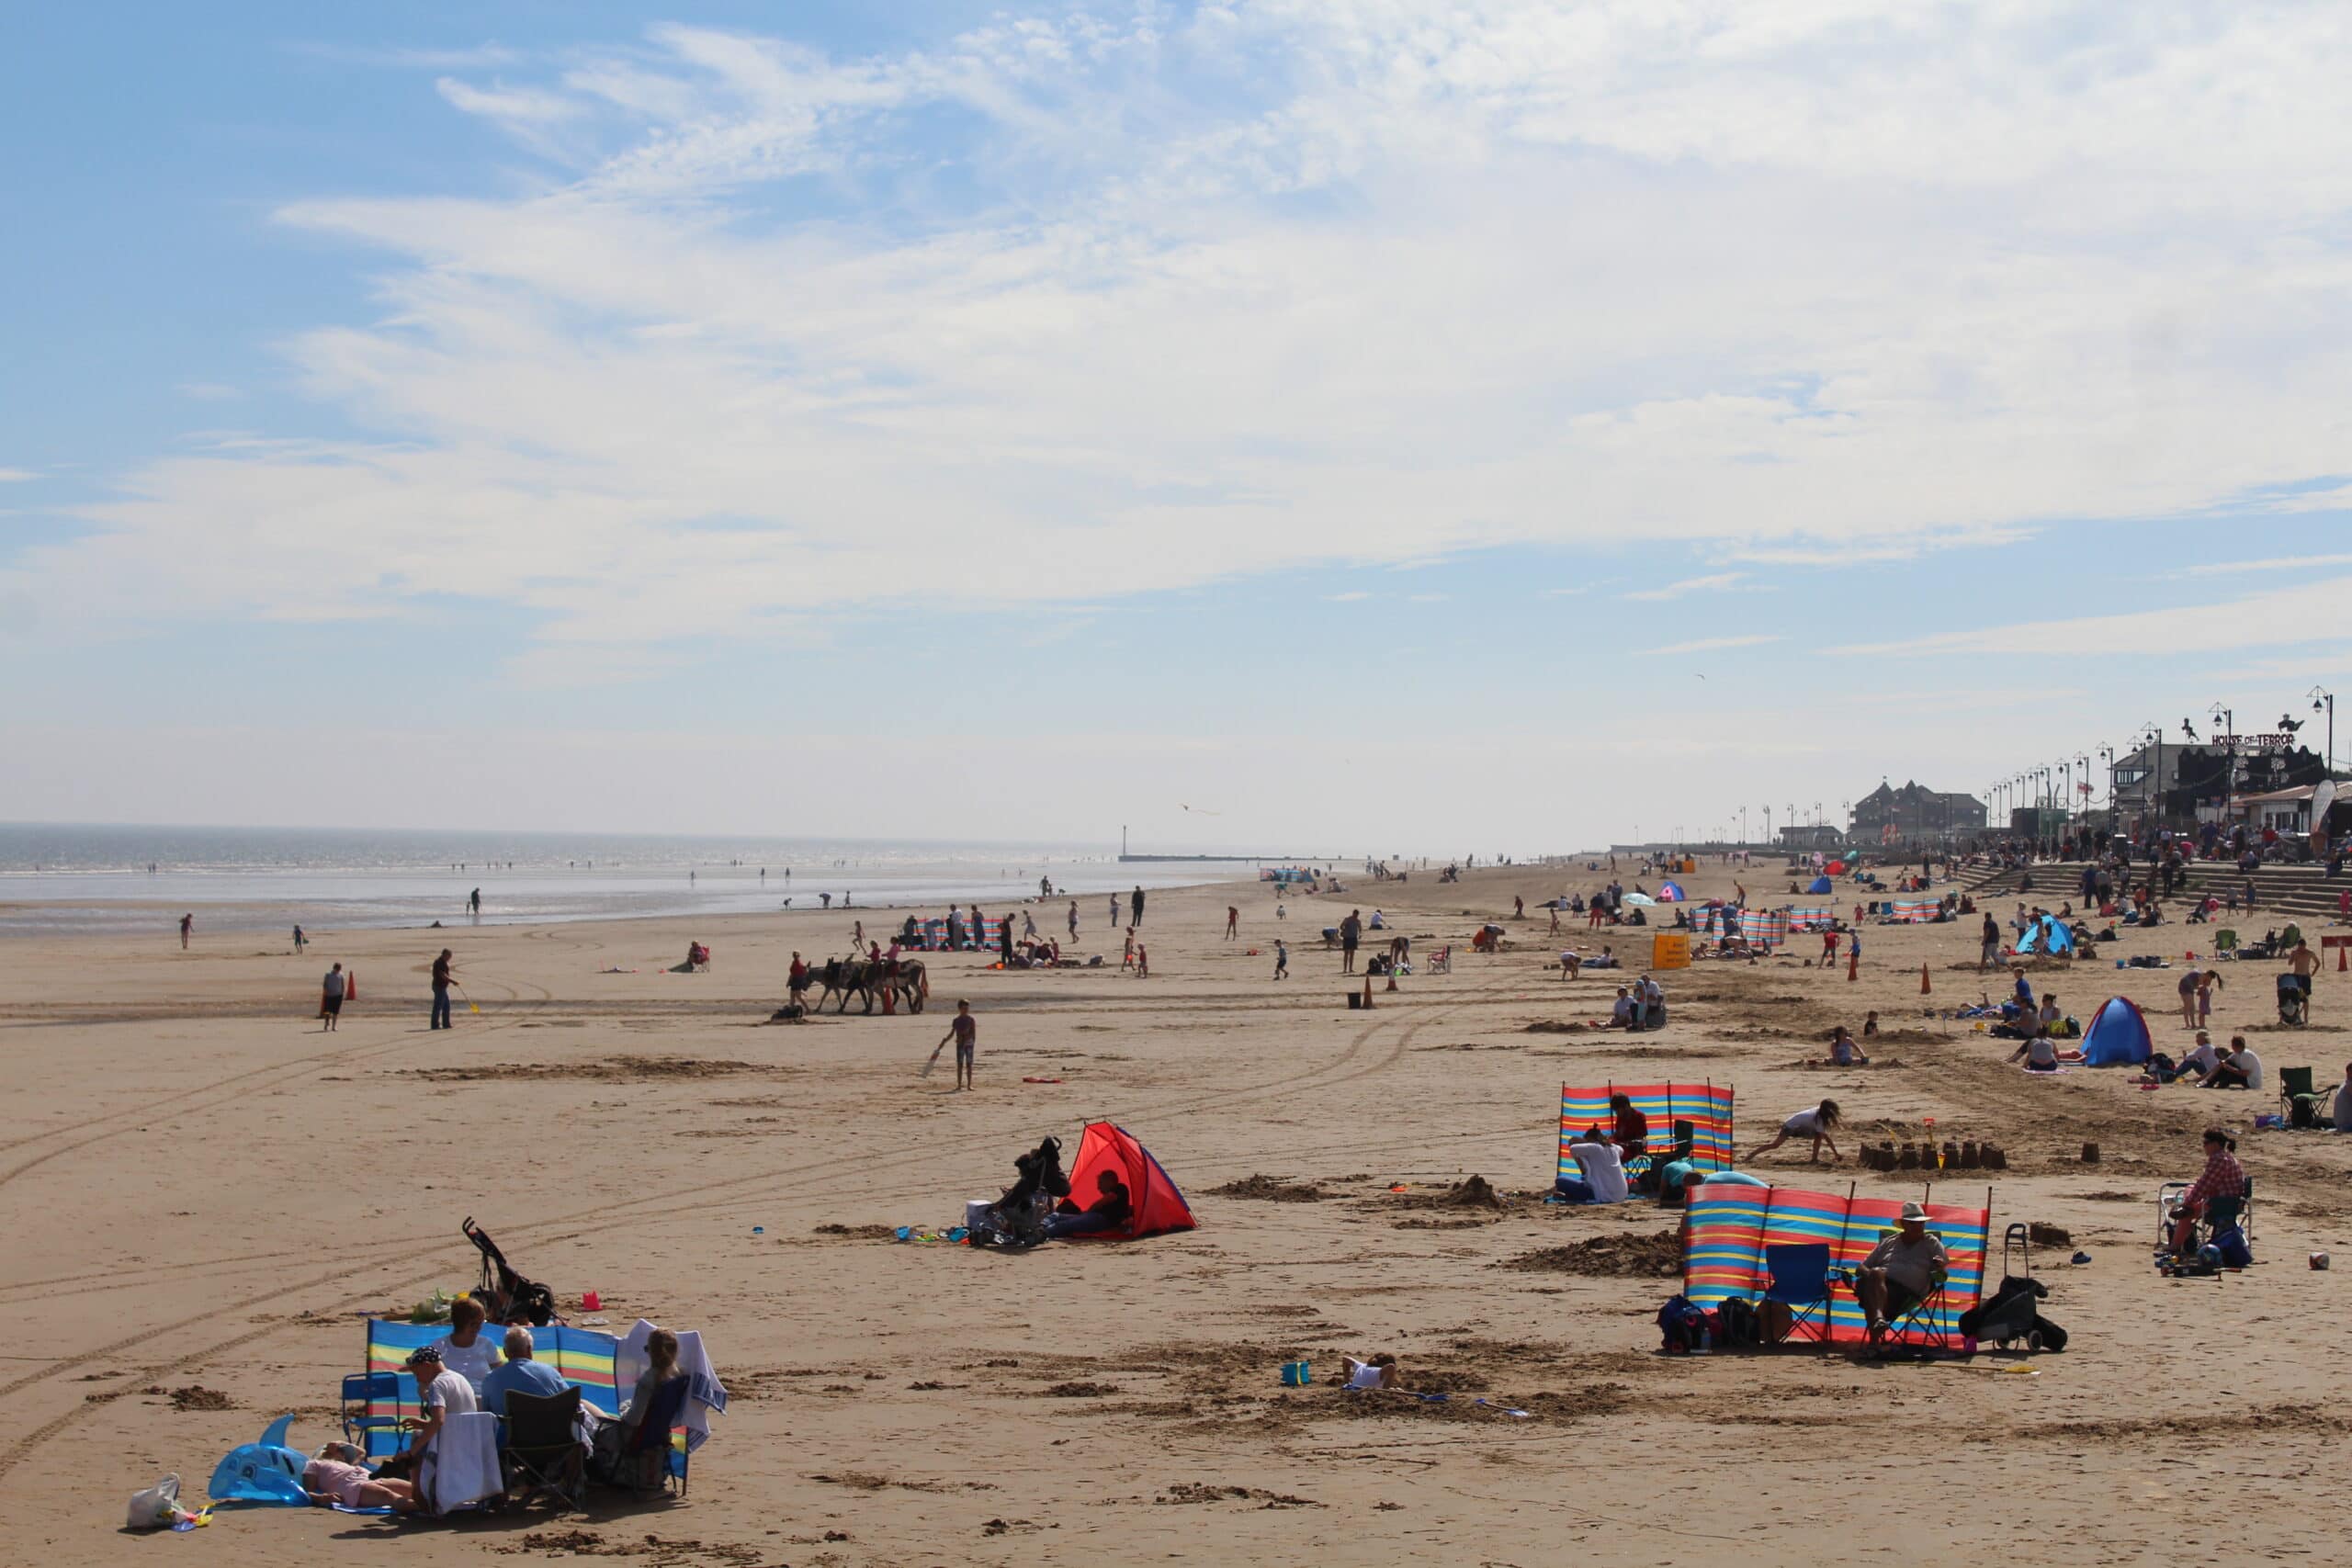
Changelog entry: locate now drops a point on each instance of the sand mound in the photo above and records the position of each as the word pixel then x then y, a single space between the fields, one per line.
pixel 1636 1254
pixel 196 1396
pixel 1270 1190
pixel 609 1069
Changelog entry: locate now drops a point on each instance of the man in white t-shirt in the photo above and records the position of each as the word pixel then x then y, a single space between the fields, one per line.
pixel 1601 1172
pixel 441 1393
pixel 2240 1070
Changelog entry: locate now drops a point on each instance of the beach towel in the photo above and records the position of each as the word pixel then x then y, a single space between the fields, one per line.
pixel 706 1395
pixel 461 1467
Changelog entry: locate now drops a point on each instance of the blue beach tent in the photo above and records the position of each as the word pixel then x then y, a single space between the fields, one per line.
pixel 1820 885
pixel 2118 1036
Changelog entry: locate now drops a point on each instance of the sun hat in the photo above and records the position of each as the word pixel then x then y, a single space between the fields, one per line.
pixel 1914 1212
pixel 429 1353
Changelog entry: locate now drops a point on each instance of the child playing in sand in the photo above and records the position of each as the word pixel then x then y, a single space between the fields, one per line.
pixel 1378 1372
pixel 1281 959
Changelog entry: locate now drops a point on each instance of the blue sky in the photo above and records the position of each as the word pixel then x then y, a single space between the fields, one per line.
pixel 1500 427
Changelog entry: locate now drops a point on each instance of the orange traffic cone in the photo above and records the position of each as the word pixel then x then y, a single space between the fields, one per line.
pixel 1925 989
pixel 1853 965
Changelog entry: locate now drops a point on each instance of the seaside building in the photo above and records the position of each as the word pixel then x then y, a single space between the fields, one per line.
pixel 2178 785
pixel 1805 838
pixel 1915 814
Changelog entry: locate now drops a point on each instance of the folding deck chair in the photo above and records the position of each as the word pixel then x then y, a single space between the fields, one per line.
pixel 2295 1084
pixel 1798 1278
pixel 653 1461
pixel 371 1414
pixel 542 1454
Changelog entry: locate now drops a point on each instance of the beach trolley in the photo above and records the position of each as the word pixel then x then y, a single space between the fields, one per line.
pixel 2007 1316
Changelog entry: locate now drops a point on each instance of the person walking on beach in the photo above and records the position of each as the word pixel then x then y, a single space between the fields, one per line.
pixel 1282 959
pixel 473 904
pixel 331 999
pixel 1135 902
pixel 1232 921
pixel 1114 910
pixel 1350 932
pixel 301 941
pixel 187 926
pixel 441 992
pixel 965 1031
pixel 1073 919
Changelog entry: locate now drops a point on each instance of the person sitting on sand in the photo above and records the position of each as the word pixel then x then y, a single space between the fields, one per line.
pixel 1870 1024
pixel 1109 1211
pixel 336 1475
pixel 1378 1372
pixel 1843 1052
pixel 1600 1176
pixel 2042 1054
pixel 2240 1070
pixel 1901 1271
pixel 1816 1124
pixel 1623 1015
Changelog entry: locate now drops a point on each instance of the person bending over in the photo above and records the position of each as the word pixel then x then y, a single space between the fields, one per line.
pixel 1109 1212
pixel 1816 1124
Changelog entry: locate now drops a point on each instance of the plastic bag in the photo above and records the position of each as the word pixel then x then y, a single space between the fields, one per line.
pixel 158 1507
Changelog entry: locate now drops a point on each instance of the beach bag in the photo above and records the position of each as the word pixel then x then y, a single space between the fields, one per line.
pixel 2303 1111
pixel 158 1507
pixel 1682 1326
pixel 1739 1324
pixel 2231 1245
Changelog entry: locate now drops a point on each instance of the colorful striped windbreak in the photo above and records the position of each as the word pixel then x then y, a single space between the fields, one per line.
pixel 1765 928
pixel 1814 917
pixel 579 1355
pixel 1707 1107
pixel 1730 1227
pixel 1913 911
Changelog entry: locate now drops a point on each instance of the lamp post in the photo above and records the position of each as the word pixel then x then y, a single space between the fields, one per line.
pixel 2107 759
pixel 2229 722
pixel 2322 698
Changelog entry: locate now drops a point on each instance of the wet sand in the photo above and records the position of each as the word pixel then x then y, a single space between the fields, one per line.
pixel 201 1190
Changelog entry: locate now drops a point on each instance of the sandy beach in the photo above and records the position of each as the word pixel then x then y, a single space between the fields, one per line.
pixel 203 1193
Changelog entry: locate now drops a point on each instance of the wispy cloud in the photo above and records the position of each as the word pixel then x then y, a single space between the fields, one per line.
pixel 1716 582
pixel 1563 593
pixel 17 476
pixel 1712 644
pixel 2307 613
pixel 754 282
pixel 1350 597
pixel 2275 564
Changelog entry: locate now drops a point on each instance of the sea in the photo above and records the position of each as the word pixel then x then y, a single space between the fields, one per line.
pixel 60 877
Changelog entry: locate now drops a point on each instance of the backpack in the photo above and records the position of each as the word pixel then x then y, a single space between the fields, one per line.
pixel 1738 1322
pixel 2231 1245
pixel 1683 1324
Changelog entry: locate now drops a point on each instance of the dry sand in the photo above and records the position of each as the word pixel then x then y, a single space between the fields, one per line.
pixel 203 1193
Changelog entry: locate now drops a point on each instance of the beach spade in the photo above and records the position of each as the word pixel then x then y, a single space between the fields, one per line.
pixel 471 1006
pixel 930 1062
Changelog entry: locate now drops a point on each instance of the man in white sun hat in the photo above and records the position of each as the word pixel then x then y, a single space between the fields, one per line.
pixel 1901 1271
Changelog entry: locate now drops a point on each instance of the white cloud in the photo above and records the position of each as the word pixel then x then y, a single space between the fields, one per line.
pixel 2308 611
pixel 1353 281
pixel 1717 582
pixel 2279 565
pixel 17 476
pixel 1712 644
pixel 1350 597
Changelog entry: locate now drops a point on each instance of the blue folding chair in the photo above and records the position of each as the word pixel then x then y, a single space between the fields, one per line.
pixel 1799 1276
pixel 366 1395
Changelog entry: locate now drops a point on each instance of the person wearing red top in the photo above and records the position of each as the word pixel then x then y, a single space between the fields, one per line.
pixel 2223 1177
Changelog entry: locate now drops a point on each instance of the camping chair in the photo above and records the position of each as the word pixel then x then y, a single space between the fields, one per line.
pixel 2225 943
pixel 367 1426
pixel 1798 1278
pixel 1441 961
pixel 541 1452
pixel 1923 1319
pixel 651 1461
pixel 2296 1092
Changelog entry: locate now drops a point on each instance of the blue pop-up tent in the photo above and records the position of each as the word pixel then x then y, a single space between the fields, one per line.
pixel 2118 1036
pixel 1820 885
pixel 2048 935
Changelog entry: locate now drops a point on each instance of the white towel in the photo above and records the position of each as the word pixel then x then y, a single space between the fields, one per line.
pixel 461 1466
pixel 706 1395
